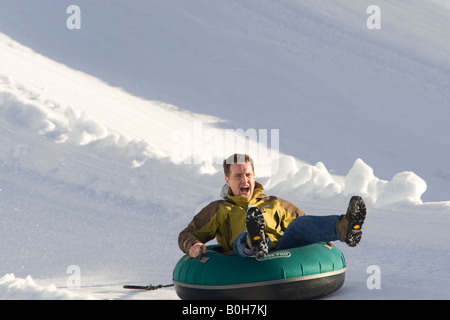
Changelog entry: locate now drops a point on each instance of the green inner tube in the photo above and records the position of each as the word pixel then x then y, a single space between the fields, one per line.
pixel 297 273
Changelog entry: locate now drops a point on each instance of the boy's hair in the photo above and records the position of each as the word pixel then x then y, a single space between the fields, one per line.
pixel 236 158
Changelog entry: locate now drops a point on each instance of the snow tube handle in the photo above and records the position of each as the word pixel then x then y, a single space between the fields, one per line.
pixel 201 257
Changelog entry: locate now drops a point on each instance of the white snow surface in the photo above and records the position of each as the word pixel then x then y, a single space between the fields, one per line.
pixel 112 136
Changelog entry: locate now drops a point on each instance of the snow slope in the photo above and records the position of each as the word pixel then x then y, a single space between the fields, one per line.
pixel 383 91
pixel 106 154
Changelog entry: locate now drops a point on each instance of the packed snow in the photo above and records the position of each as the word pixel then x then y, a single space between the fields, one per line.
pixel 112 136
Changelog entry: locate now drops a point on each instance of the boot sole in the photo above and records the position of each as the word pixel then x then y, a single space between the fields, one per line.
pixel 357 214
pixel 254 222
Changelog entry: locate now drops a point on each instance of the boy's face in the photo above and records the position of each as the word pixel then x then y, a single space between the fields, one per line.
pixel 241 179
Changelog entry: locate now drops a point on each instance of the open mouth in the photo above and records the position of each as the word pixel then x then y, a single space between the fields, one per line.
pixel 245 190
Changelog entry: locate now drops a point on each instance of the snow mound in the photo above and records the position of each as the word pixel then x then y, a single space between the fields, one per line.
pixel 404 186
pixel 316 180
pixel 12 288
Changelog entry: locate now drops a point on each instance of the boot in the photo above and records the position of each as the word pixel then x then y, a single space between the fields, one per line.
pixel 256 238
pixel 350 224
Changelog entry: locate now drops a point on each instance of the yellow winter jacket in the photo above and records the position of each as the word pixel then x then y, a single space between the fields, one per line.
pixel 225 220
